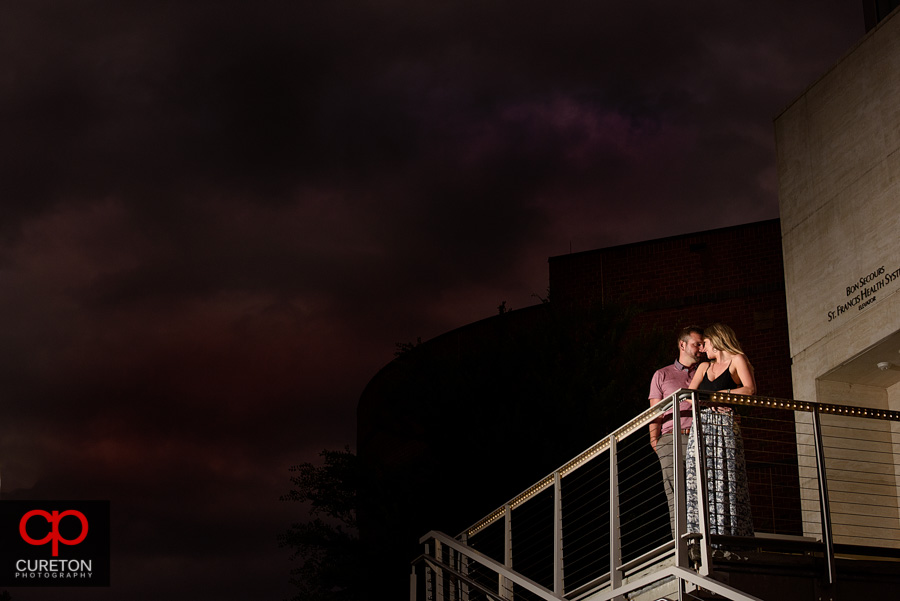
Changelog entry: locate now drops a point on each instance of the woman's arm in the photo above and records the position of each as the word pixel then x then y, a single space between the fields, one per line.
pixel 742 373
pixel 698 375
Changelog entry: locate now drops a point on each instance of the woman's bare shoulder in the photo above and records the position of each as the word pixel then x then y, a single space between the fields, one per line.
pixel 738 360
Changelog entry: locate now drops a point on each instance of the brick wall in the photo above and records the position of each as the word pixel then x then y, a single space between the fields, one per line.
pixel 732 275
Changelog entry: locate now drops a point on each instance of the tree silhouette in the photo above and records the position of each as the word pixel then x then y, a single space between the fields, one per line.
pixel 327 546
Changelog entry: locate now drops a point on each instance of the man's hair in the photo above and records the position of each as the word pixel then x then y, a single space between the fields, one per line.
pixel 685 333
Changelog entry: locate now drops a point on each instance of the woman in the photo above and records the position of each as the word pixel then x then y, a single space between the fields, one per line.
pixel 728 370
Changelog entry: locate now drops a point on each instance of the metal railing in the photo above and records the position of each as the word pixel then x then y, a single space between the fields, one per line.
pixel 819 475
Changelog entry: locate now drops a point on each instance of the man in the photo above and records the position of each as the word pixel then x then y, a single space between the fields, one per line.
pixel 665 382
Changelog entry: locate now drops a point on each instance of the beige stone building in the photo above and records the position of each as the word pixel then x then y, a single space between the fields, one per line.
pixel 839 190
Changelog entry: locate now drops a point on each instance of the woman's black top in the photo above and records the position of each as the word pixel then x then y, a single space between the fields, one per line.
pixel 723 382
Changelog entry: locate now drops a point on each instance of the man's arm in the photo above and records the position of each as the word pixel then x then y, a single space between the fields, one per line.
pixel 655 426
pixel 655 396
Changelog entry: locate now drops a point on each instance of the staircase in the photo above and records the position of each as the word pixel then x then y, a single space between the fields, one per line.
pixel 598 527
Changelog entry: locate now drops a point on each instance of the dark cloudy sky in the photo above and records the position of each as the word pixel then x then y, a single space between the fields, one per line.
pixel 218 218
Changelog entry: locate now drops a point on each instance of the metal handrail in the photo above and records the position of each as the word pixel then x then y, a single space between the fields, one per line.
pixel 652 413
pixel 576 462
pixel 613 582
pixel 671 572
pixel 491 564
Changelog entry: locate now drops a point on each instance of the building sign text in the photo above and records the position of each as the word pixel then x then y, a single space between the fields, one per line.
pixel 861 293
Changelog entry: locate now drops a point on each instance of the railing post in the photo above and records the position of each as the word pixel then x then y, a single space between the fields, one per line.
pixel 615 544
pixel 429 583
pixel 438 572
pixel 464 569
pixel 506 585
pixel 452 559
pixel 678 467
pixel 702 495
pixel 557 536
pixel 678 470
pixel 824 507
pixel 412 585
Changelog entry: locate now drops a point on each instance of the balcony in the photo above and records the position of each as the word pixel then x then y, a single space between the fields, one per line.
pixel 824 486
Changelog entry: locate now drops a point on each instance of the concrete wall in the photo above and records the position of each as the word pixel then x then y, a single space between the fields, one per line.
pixel 839 190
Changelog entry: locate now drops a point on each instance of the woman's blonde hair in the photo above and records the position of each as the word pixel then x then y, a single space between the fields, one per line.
pixel 723 338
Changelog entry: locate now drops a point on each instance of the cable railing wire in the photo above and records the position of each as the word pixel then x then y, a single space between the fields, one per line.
pixel 782 476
